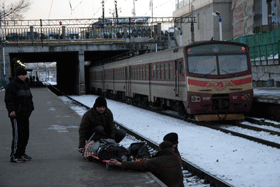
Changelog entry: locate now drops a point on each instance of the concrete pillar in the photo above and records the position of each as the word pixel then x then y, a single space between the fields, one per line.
pixel 63 32
pixel 82 85
pixel 159 31
pixel 32 33
pixel 125 32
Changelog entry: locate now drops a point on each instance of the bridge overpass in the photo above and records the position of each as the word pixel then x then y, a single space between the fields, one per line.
pixel 75 43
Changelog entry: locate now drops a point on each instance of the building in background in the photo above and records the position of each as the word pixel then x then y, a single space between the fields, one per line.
pixel 239 18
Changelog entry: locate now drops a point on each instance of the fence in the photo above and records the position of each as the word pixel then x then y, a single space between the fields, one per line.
pixel 264 46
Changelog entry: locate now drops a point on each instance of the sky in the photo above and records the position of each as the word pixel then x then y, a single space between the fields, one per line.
pixel 75 9
pixel 237 161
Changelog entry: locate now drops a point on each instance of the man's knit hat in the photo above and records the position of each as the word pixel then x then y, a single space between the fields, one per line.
pixel 171 137
pixel 99 102
pixel 20 71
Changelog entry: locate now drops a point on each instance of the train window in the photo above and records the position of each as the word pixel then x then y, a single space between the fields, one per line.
pixel 132 72
pixel 203 65
pixel 170 71
pixel 162 71
pixel 181 68
pixel 166 71
pixel 147 72
pixel 141 72
pixel 232 64
pixel 154 71
pixel 158 71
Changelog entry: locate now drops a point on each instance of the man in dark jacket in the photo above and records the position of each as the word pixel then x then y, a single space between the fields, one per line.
pixel 173 138
pixel 166 166
pixel 18 99
pixel 99 119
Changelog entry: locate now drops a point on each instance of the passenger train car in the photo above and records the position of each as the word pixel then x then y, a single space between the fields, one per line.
pixel 206 80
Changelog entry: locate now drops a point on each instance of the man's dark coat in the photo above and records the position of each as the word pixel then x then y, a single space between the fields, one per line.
pixel 166 167
pixel 91 119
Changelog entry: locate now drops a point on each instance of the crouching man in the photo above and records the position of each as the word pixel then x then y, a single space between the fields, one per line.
pixel 166 166
pixel 99 119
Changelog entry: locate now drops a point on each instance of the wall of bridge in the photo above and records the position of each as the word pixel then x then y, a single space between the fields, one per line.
pixel 70 61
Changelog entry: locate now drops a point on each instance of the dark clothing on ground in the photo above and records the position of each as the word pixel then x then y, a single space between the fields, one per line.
pixel 18 98
pixel 92 119
pixel 166 167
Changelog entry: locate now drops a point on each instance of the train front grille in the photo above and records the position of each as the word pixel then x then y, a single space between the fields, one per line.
pixel 220 102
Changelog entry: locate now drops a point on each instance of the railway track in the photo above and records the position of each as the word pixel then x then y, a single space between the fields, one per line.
pixel 190 169
pixel 215 126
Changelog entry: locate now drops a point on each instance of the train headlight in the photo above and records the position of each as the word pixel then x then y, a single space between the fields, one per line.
pixel 245 97
pixel 195 98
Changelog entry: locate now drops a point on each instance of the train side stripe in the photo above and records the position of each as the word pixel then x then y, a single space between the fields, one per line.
pixel 206 83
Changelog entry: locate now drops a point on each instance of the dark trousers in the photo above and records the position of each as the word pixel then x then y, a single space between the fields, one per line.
pixel 20 136
pixel 120 134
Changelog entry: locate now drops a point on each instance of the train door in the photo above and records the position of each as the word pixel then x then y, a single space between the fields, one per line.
pixel 149 73
pixel 178 75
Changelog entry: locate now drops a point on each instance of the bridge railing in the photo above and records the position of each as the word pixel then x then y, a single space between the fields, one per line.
pixel 47 34
pixel 107 29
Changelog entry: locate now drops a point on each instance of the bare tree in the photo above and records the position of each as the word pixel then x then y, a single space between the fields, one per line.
pixel 15 11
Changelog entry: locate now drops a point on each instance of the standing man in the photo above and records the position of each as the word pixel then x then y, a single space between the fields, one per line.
pixel 18 99
pixel 99 119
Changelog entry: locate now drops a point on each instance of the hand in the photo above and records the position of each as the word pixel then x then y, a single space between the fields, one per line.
pixel 114 162
pixel 13 114
pixel 81 150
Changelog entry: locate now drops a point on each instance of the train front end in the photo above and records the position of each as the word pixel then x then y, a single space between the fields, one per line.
pixel 219 82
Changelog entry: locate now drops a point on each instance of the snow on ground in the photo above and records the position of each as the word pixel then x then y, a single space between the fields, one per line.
pixel 239 162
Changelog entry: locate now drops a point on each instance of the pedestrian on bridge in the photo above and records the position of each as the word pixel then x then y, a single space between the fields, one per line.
pixel 19 103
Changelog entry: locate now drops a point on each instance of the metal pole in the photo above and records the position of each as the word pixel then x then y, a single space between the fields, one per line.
pixel 134 12
pixel 117 16
pixel 181 41
pixel 220 26
pixel 152 8
pixel 4 64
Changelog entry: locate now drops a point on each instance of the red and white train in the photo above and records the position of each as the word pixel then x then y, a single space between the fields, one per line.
pixel 206 80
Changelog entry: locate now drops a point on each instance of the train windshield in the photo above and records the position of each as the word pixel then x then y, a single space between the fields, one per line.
pixel 217 59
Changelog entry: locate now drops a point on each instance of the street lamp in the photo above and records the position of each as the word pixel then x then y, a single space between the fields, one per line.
pixel 180 30
pixel 217 13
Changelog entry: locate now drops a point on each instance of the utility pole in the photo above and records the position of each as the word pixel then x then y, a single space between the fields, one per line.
pixel 116 12
pixel 134 11
pixel 152 9
pixel 103 14
pixel 269 15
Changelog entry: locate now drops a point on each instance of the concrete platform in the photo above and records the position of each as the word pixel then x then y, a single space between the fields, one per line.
pixel 266 103
pixel 267 95
pixel 53 146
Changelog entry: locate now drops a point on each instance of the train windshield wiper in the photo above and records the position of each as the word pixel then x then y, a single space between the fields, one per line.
pixel 228 73
pixel 210 72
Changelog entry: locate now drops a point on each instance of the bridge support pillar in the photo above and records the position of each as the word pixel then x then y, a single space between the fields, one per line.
pixel 32 33
pixel 125 33
pixel 82 85
pixel 63 32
